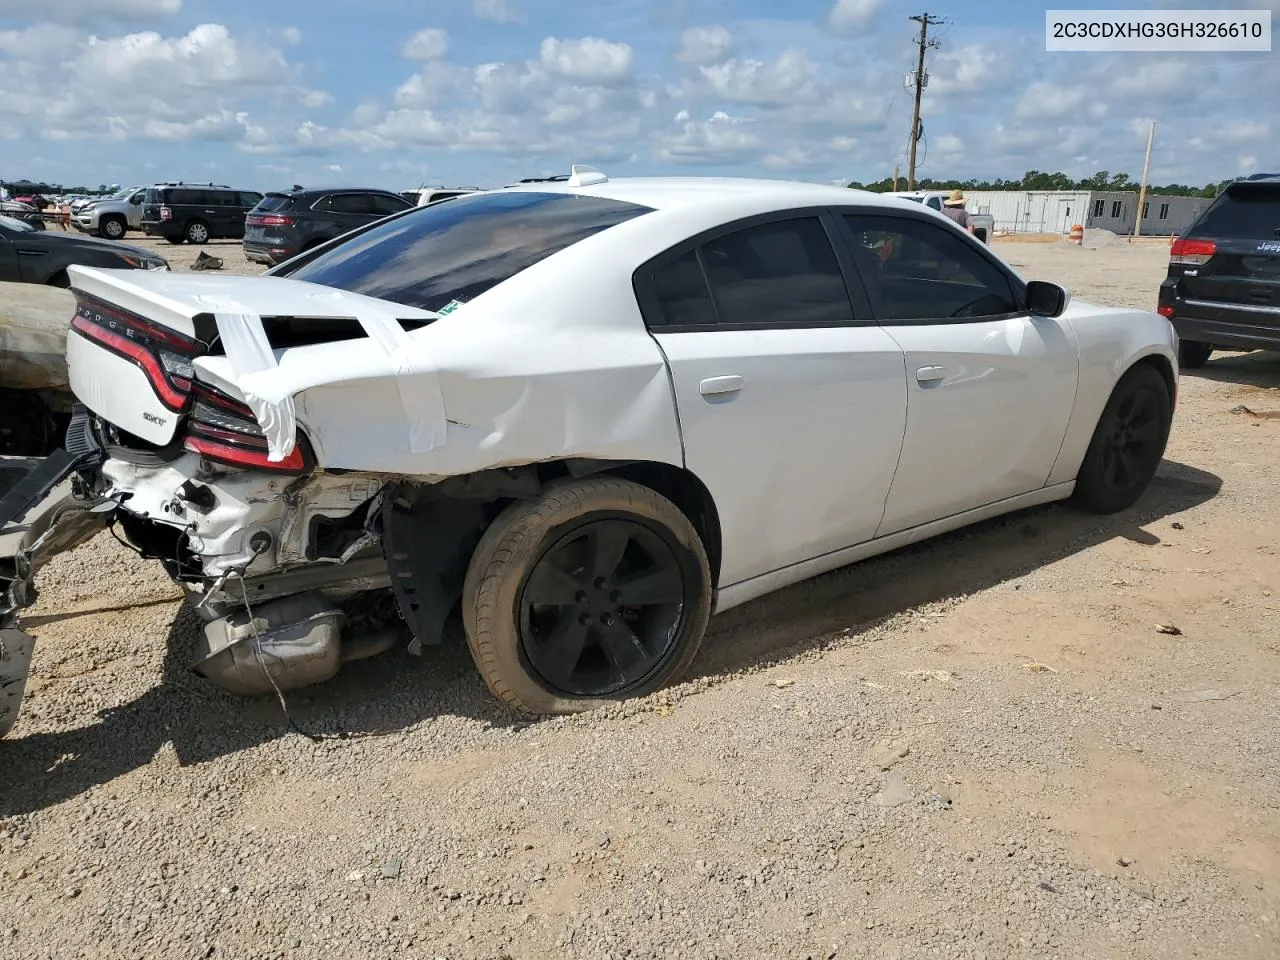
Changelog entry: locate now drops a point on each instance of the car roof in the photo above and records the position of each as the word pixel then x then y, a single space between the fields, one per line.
pixel 322 192
pixel 670 193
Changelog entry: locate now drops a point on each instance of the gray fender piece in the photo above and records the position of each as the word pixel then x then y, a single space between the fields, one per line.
pixel 15 665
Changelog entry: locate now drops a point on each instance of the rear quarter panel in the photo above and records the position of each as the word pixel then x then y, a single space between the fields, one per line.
pixel 1111 341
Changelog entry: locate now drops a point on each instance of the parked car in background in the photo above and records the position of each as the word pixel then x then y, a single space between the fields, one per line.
pixel 28 255
pixel 287 223
pixel 424 195
pixel 1223 286
pixel 586 415
pixel 984 225
pixel 113 216
pixel 35 396
pixel 23 212
pixel 196 212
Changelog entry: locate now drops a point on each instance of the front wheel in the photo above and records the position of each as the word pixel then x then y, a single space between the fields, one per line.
pixel 1127 444
pixel 595 591
pixel 1192 355
pixel 113 228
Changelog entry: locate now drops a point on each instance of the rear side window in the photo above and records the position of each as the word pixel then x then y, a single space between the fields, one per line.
pixel 250 199
pixel 1247 211
pixel 777 273
pixel 460 249
pixel 180 196
pixel 384 204
pixel 357 203
pixel 682 292
pixel 274 203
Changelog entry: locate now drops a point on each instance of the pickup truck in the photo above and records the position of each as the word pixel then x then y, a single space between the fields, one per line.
pixel 112 217
pixel 984 225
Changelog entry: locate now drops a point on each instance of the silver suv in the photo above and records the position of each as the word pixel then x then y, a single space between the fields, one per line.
pixel 114 216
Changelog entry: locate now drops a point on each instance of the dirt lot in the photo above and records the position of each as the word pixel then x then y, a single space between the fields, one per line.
pixel 1052 735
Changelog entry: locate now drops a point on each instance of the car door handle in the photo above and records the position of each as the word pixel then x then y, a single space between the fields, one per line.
pixel 927 375
pixel 719 386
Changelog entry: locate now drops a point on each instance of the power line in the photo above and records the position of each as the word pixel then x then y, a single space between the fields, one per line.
pixel 926 21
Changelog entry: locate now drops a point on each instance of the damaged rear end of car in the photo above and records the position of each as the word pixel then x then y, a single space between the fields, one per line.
pixel 281 446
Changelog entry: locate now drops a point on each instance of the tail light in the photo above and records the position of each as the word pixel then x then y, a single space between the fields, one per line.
pixel 268 220
pixel 224 430
pixel 1165 310
pixel 166 213
pixel 1192 253
pixel 164 355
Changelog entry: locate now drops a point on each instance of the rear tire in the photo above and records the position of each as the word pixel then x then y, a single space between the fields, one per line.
pixel 1128 443
pixel 594 541
pixel 197 232
pixel 1192 355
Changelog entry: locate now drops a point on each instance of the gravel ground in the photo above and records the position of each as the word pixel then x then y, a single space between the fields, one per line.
pixel 1051 735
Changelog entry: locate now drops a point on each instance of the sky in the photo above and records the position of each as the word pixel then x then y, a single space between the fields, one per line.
pixel 400 93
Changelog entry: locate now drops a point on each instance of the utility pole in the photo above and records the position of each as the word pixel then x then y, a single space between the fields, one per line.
pixel 1142 192
pixel 925 22
pixel 895 178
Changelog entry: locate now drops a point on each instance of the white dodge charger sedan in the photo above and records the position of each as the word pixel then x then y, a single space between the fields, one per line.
pixel 583 415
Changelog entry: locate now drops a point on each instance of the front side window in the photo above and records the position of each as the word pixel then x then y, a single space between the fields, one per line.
pixel 458 250
pixel 917 271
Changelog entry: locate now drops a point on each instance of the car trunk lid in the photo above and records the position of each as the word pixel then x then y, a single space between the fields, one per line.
pixel 137 339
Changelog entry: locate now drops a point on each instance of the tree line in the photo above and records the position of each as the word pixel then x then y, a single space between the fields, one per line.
pixel 1038 180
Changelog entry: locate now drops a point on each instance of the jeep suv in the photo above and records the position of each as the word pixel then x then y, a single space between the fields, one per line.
pixel 285 224
pixel 1223 287
pixel 196 212
pixel 113 216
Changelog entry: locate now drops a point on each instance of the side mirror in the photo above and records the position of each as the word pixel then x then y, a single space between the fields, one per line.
pixel 1046 299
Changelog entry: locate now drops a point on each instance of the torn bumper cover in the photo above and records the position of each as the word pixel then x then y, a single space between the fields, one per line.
pixel 45 509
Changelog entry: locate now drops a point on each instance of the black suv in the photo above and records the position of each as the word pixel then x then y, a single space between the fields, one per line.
pixel 285 224
pixel 1223 288
pixel 196 212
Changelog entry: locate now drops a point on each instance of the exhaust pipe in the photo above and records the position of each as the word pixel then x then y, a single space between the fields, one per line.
pixel 286 644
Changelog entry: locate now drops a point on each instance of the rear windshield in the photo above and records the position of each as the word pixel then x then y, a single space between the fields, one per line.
pixel 451 251
pixel 273 202
pixel 1246 211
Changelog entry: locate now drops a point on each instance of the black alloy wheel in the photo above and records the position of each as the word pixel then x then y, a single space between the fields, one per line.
pixel 601 608
pixel 1128 442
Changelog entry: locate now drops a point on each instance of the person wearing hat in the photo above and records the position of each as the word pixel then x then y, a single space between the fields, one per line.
pixel 953 209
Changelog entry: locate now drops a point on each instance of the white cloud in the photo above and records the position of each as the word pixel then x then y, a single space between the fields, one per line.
pixel 291 35
pixel 705 45
pixel 83 11
pixel 427 87
pixel 971 70
pixel 789 79
pixel 1054 101
pixel 1243 131
pixel 853 14
pixel 721 139
pixel 590 59
pixel 497 11
pixel 428 44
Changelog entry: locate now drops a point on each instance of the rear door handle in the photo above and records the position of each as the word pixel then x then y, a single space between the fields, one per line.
pixel 719 386
pixel 930 374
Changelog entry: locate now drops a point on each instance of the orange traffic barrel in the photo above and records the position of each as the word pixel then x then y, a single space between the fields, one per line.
pixel 1077 233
